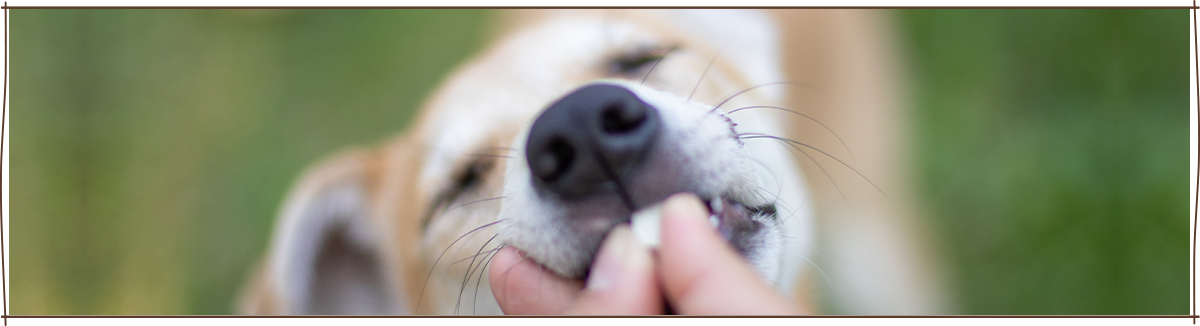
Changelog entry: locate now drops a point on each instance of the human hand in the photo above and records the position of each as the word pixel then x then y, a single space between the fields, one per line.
pixel 695 270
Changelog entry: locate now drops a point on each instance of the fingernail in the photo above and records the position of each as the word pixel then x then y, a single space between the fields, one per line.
pixel 687 205
pixel 620 254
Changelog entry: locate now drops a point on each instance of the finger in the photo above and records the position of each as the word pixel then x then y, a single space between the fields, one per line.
pixel 622 280
pixel 702 274
pixel 523 287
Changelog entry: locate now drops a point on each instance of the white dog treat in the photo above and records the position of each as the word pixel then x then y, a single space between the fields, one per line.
pixel 646 223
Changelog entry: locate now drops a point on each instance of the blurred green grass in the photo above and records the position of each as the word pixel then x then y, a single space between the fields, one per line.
pixel 151 148
pixel 1053 156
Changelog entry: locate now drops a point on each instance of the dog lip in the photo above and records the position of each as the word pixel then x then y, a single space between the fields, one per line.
pixel 732 220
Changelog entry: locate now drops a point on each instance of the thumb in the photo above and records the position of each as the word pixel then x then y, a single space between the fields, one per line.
pixel 702 274
pixel 622 279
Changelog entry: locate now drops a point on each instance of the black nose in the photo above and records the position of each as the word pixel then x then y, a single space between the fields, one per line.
pixel 589 138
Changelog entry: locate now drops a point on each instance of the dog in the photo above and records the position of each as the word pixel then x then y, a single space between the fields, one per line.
pixel 575 119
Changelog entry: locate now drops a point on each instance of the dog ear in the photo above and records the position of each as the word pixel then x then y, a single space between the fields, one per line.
pixel 326 254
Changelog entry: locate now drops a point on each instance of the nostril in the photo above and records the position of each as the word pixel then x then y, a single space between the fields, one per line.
pixel 617 118
pixel 554 161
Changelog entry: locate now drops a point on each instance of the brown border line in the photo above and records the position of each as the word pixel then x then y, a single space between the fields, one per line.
pixel 838 317
pixel 592 7
pixel 4 276
pixel 3 119
pixel 652 316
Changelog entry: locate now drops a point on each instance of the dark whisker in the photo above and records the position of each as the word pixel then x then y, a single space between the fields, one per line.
pixel 421 295
pixel 475 202
pixel 447 209
pixel 789 141
pixel 835 135
pixel 484 253
pixel 762 189
pixel 835 185
pixel 759 192
pixel 479 279
pixel 778 180
pixel 718 106
pixel 656 62
pixel 710 63
pixel 458 302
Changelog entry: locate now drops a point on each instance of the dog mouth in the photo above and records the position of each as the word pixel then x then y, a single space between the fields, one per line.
pixel 738 224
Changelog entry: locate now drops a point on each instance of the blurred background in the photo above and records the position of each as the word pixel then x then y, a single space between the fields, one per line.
pixel 151 148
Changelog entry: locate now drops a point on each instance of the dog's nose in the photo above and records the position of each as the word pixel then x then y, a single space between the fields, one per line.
pixel 590 138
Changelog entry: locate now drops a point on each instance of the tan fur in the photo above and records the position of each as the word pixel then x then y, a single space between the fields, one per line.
pixel 255 298
pixel 400 179
pixel 852 63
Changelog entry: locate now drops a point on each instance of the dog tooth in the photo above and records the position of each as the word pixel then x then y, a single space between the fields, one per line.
pixel 718 205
